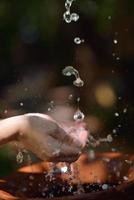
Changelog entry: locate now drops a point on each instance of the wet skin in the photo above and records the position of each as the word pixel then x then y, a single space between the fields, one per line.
pixel 43 136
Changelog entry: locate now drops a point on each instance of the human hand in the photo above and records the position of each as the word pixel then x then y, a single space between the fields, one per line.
pixel 49 140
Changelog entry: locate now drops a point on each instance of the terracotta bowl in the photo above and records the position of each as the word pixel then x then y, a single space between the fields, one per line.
pixel 107 176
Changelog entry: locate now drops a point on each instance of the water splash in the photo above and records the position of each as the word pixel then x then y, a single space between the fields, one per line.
pixel 64 169
pixel 69 71
pixel 68 16
pixel 19 157
pixel 109 138
pixel 78 82
pixel 96 142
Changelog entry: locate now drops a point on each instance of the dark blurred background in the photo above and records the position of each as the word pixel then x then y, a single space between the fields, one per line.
pixel 36 44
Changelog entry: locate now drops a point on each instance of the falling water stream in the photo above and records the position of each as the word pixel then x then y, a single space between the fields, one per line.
pixel 78 116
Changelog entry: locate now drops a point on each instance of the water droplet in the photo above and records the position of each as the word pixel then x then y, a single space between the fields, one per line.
pixel 19 157
pixel 68 5
pixel 109 138
pixel 115 41
pixel 119 98
pixel 118 173
pixel 74 17
pixel 49 109
pixel 106 159
pixel 125 110
pixel 78 99
pixel 21 103
pixel 51 102
pixel 68 71
pixel 31 177
pixel 51 195
pixel 70 97
pixel 91 154
pixel 64 169
pixel 117 58
pixel 105 186
pixel 114 131
pixel 43 194
pixel 128 161
pixel 116 114
pixel 78 82
pixel 79 116
pixel 5 111
pixel 69 1
pixel 26 89
pixel 77 40
pixel 113 149
pixel 109 17
pixel 125 178
pixel 67 17
pixel 119 125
